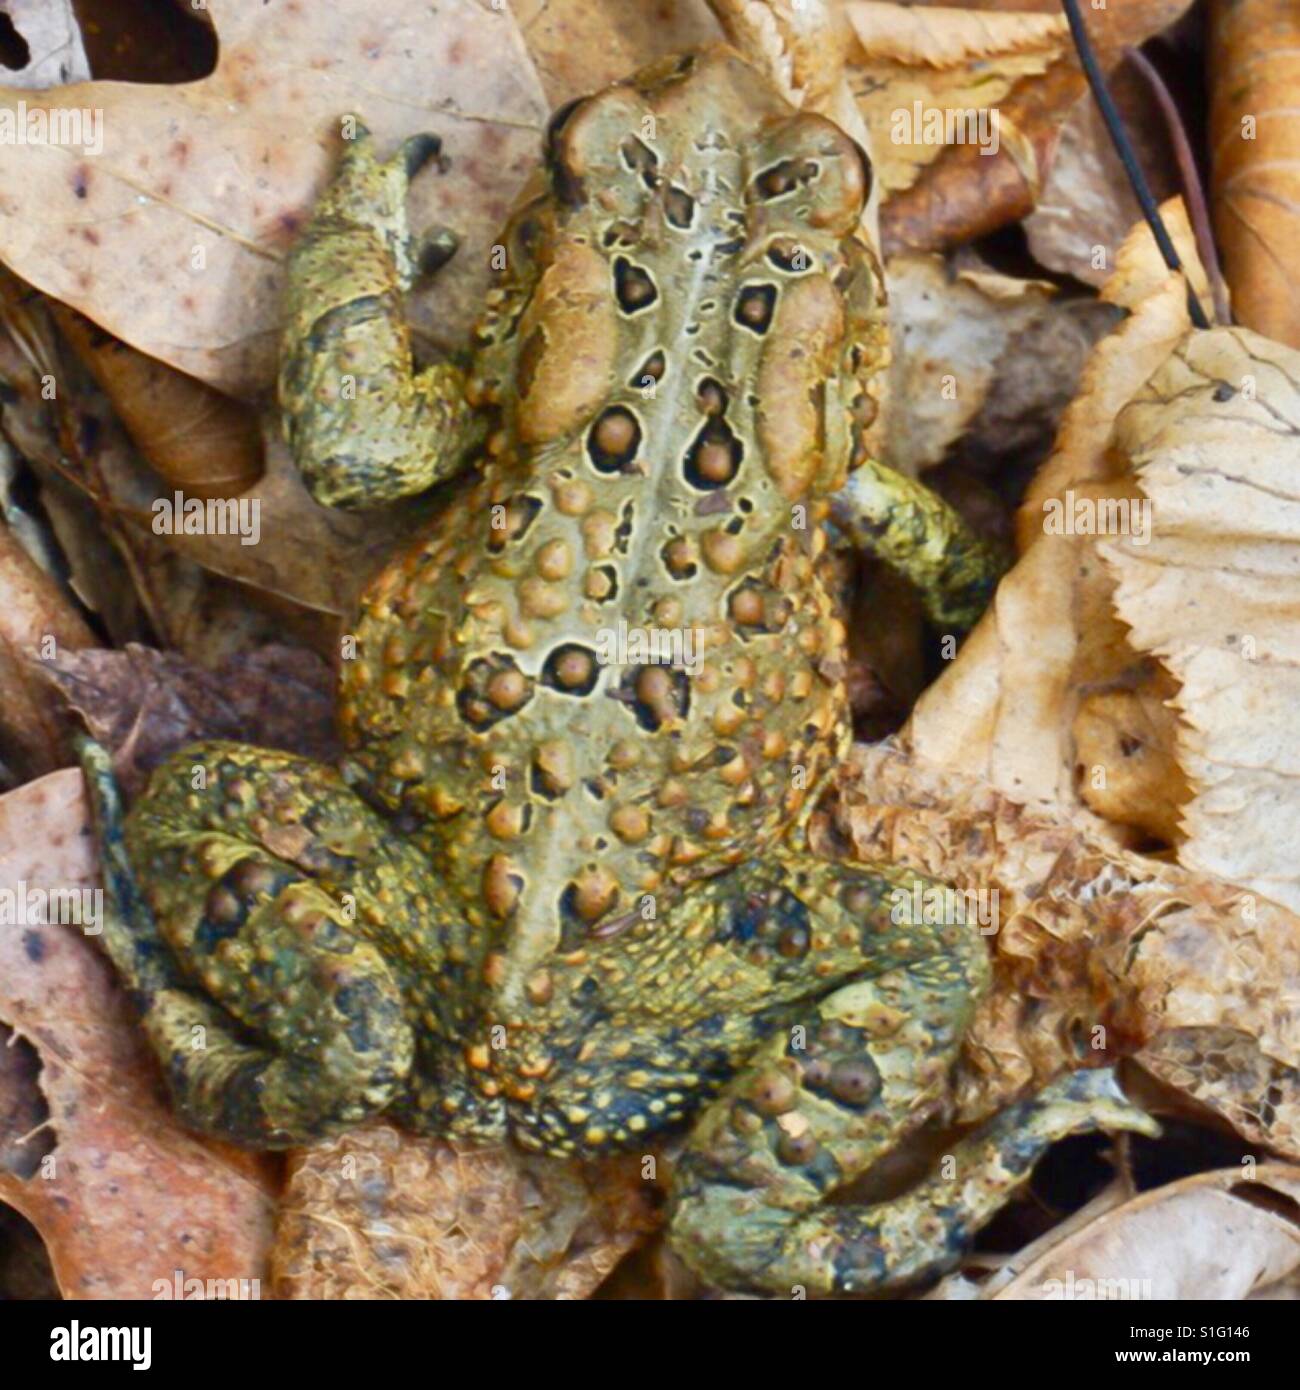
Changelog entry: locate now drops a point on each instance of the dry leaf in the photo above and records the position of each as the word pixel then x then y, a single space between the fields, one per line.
pixel 199 440
pixel 943 59
pixel 1215 594
pixel 36 622
pixel 52 36
pixel 1006 708
pixel 964 193
pixel 960 336
pixel 1220 1235
pixel 1254 58
pixel 1086 207
pixel 382 1214
pixel 225 168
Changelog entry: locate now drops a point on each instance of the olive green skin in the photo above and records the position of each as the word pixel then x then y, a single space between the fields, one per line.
pixel 558 894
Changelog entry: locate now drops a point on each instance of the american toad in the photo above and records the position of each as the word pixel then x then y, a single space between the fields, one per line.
pixel 559 891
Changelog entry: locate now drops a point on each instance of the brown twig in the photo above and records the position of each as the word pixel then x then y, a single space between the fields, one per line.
pixel 1190 178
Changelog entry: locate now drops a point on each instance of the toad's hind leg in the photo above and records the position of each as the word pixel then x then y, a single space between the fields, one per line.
pixel 364 426
pixel 836 1090
pixel 238 915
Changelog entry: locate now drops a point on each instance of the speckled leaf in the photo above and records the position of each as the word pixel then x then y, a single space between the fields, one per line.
pixel 224 168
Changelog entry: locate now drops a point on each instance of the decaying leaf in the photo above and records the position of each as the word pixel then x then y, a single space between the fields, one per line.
pixel 382 1214
pixel 122 1196
pixel 143 704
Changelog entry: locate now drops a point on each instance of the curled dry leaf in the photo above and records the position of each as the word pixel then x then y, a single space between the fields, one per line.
pixel 1254 58
pixel 382 1214
pixel 1099 954
pixel 1222 1235
pixel 943 58
pixel 1214 593
pixel 121 1195
pixel 1006 708
pixel 801 44
pixel 963 192
pixel 219 173
pixel 196 438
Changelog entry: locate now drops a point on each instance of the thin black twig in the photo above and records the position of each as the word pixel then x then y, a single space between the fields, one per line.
pixel 1125 151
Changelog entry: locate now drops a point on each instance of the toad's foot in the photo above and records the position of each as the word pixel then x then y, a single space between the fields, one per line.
pixel 749 1208
pixel 253 949
pixel 364 427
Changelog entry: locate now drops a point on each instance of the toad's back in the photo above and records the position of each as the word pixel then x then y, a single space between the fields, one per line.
pixel 674 356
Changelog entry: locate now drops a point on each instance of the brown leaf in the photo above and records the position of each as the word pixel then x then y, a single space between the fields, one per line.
pixel 199 440
pixel 36 621
pixel 964 194
pixel 229 165
pixel 1220 1235
pixel 944 58
pixel 1086 207
pixel 1254 58
pixel 144 704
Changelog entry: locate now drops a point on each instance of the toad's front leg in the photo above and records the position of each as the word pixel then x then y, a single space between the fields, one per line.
pixel 364 426
pixel 828 1096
